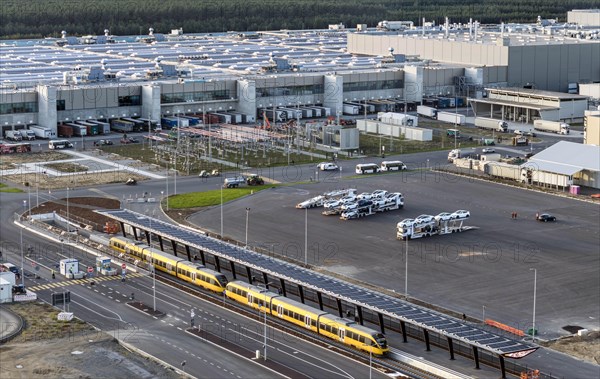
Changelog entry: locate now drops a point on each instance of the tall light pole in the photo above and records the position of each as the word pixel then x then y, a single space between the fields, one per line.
pixel 167 189
pixel 22 256
pixel 265 311
pixel 370 360
pixel 247 213
pixel 534 298
pixel 68 224
pixel 406 269
pixel 306 236
pixel 222 210
pixel 29 198
pixel 483 314
pixel 152 262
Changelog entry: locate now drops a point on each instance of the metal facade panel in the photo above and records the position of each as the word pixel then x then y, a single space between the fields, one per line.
pixel 540 64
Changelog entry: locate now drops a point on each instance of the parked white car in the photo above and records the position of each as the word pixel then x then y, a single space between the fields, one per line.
pixel 444 216
pixel 461 214
pixel 365 196
pixel 327 166
pixel 423 218
pixel 379 194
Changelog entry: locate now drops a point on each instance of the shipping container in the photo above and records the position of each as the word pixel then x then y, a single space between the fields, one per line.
pixel 65 131
pixel 121 126
pixel 192 120
pixel 104 126
pixel 78 130
pixel 92 128
pixel 138 125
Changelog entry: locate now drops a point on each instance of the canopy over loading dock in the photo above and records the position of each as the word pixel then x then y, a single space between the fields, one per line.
pixel 364 299
pixel 527 105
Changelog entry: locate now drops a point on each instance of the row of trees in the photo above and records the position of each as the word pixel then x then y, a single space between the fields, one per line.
pixel 37 18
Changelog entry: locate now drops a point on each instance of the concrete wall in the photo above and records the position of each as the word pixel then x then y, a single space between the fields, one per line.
pixel 590 89
pixel 413 83
pixel 246 94
pixel 334 91
pixel 585 17
pixel 553 67
pixel 592 128
pixel 151 102
pixel 549 66
pixel 443 50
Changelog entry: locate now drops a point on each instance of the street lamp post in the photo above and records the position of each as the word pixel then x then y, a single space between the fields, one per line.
pixel 222 211
pixel 247 214
pixel 406 269
pixel 370 360
pixel 534 298
pixel 68 224
pixel 265 311
pixel 22 256
pixel 306 236
pixel 152 265
pixel 483 314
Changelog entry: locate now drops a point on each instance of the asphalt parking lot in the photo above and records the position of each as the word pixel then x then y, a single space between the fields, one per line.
pixel 489 266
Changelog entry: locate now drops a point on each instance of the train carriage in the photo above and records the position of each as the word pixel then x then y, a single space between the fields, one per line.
pixel 328 325
pixel 201 276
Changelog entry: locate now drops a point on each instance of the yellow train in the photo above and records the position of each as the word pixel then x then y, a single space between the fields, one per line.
pixel 172 265
pixel 326 324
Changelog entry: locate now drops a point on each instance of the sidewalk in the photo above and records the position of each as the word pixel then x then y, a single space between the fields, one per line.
pixel 10 324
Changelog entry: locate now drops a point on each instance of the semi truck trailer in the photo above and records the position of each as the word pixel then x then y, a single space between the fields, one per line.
pixel 551 126
pixel 491 124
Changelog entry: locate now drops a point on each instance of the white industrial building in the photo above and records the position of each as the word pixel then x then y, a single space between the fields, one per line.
pixel 526 105
pixel 53 81
pixel 545 57
pixel 564 164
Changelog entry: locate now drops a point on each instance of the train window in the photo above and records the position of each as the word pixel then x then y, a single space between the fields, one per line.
pixel 222 280
pixel 193 276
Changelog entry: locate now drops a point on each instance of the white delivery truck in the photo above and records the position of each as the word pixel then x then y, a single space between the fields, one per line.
pixel 551 126
pixel 27 134
pixel 13 135
pixel 42 131
pixel 350 109
pixel 452 118
pixel 491 124
pixel 426 111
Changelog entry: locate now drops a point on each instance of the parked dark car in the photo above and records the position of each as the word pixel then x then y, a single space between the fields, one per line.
pixel 545 217
pixel 103 142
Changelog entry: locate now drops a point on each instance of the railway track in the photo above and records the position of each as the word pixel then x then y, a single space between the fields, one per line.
pixel 388 365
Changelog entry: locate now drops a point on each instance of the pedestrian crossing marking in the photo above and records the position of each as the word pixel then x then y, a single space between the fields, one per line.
pixel 52 285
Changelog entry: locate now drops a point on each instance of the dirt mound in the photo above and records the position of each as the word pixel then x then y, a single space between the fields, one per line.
pixel 81 209
pixel 48 348
pixel 583 347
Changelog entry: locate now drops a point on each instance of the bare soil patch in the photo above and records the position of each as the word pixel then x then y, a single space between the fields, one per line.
pixel 586 348
pixel 48 348
pixel 42 157
pixel 75 180
pixel 67 167
pixel 81 209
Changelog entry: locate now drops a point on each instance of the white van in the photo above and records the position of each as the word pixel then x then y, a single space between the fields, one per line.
pixel 392 166
pixel 367 168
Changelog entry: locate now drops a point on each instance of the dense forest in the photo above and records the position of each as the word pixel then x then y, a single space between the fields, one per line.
pixel 46 18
